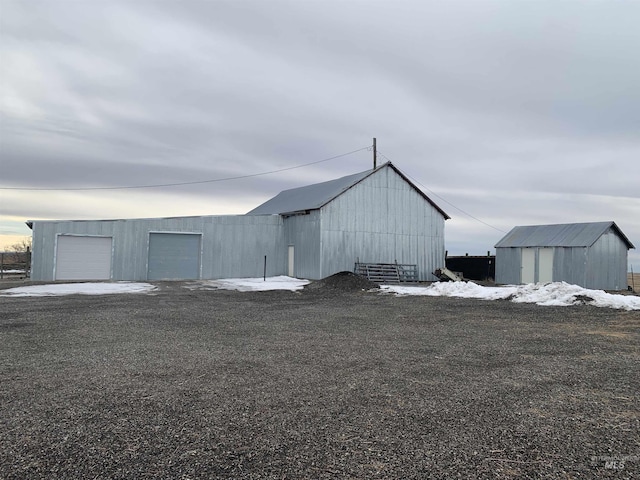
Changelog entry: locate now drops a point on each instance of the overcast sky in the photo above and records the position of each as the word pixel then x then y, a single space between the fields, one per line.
pixel 504 112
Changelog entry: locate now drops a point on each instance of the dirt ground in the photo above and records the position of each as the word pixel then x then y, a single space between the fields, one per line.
pixel 331 382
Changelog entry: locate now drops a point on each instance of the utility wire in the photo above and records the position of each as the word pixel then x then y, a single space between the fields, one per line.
pixel 443 199
pixel 185 183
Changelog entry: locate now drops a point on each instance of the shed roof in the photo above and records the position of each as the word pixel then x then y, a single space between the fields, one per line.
pixel 560 235
pixel 313 197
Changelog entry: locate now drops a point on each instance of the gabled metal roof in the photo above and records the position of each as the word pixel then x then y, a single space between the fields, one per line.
pixel 561 235
pixel 313 197
pixel 310 197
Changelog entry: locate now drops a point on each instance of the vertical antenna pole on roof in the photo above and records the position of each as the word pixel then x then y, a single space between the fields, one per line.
pixel 375 154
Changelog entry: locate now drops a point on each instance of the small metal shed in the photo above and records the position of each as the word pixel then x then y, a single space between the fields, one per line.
pixel 592 255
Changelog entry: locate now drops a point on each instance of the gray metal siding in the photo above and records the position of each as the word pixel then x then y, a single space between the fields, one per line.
pixel 607 265
pixel 232 246
pixel 382 219
pixel 235 246
pixel 570 265
pixel 303 232
pixel 40 252
pixel 508 264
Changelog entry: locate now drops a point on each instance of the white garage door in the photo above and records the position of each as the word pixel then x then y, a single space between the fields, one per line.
pixel 83 258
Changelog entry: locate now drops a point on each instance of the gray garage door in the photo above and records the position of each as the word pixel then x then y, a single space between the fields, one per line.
pixel 174 256
pixel 83 258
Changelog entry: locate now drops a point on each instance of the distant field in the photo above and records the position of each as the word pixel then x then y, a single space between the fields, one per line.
pixel 634 281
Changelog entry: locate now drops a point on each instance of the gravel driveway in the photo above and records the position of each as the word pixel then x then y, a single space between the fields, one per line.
pixel 324 383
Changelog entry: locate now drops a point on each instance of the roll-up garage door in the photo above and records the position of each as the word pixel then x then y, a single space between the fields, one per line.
pixel 83 258
pixel 174 256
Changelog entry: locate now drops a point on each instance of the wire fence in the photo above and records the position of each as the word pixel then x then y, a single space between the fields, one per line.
pixel 15 264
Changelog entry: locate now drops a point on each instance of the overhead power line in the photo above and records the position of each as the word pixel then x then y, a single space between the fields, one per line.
pixel 176 184
pixel 444 199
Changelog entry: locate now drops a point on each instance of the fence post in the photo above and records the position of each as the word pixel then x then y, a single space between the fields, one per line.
pixel 27 265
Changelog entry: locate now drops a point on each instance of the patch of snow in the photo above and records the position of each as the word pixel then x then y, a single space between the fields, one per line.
pixel 281 282
pixel 78 289
pixel 553 294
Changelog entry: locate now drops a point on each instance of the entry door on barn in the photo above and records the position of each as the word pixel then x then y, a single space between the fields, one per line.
pixel 83 257
pixel 174 256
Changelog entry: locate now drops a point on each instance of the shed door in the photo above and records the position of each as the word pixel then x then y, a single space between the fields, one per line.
pixel 545 265
pixel 291 256
pixel 528 266
pixel 83 258
pixel 174 256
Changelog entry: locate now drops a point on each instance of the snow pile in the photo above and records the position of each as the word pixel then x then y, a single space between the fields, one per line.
pixel 553 294
pixel 253 284
pixel 454 289
pixel 556 294
pixel 78 289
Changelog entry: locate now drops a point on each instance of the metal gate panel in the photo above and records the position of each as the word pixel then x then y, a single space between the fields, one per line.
pixel 174 256
pixel 83 258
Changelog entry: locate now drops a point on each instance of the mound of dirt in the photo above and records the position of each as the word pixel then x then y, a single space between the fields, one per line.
pixel 343 282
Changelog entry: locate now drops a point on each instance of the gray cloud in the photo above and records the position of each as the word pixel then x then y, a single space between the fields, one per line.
pixel 516 112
